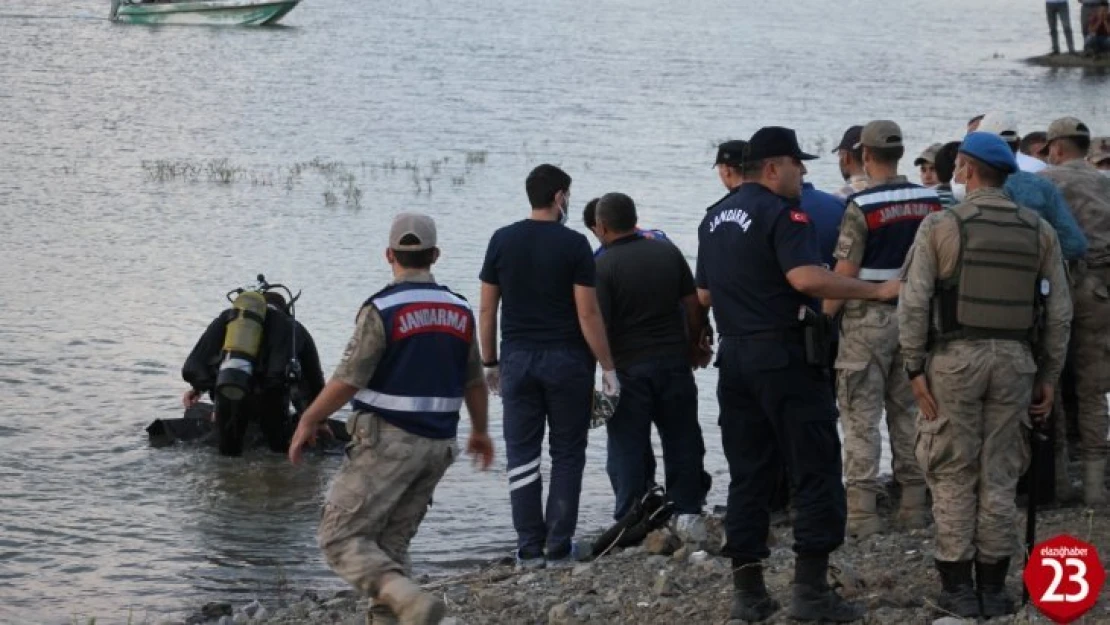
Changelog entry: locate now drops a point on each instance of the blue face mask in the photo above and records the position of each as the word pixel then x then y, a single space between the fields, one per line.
pixel 563 210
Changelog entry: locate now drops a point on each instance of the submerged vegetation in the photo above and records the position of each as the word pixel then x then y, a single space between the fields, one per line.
pixel 342 181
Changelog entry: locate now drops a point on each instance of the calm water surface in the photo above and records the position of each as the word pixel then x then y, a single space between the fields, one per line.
pixel 113 263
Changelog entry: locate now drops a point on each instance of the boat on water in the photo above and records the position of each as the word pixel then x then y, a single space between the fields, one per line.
pixel 212 12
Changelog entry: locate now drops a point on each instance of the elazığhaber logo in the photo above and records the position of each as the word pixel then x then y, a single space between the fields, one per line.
pixel 1064 576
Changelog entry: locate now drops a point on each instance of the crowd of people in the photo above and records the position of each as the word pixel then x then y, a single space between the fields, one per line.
pixel 951 307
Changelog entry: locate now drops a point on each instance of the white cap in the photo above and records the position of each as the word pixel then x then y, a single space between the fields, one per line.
pixel 1002 124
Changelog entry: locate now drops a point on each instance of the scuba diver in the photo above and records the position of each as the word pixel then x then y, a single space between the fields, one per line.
pixel 256 361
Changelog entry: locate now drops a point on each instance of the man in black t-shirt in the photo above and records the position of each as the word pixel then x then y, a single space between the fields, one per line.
pixel 643 286
pixel 542 275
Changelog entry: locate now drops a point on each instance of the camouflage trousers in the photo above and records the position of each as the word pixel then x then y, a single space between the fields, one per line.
pixel 1090 353
pixel 378 499
pixel 870 377
pixel 978 446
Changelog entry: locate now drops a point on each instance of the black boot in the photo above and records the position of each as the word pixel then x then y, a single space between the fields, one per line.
pixel 991 582
pixel 750 600
pixel 813 599
pixel 957 594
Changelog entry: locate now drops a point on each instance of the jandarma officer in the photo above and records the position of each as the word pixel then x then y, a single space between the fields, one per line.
pixel 758 265
pixel 971 284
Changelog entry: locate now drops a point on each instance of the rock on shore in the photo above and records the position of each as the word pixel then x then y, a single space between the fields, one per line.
pixel 891 573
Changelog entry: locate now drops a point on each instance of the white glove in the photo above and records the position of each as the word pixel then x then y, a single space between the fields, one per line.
pixel 493 379
pixel 610 385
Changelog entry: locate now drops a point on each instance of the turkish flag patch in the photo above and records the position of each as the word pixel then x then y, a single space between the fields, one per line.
pixel 799 217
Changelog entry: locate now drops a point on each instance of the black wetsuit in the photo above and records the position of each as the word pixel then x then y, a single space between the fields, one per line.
pixel 269 399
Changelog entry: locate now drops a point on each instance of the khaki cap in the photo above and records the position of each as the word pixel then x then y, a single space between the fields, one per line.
pixel 1067 127
pixel 881 133
pixel 420 226
pixel 1100 150
pixel 928 155
pixel 1001 124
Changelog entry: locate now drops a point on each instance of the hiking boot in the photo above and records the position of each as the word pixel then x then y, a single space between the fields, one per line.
pixel 957 594
pixel 1094 482
pixel 814 600
pixel 750 600
pixel 380 614
pixel 863 517
pixel 991 582
pixel 912 510
pixel 412 605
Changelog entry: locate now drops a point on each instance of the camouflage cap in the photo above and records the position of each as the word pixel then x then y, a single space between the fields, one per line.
pixel 1067 127
pixel 881 133
pixel 1100 150
pixel 412 232
pixel 928 155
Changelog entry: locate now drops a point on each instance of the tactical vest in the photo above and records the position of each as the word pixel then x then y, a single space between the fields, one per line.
pixel 418 385
pixel 893 213
pixel 993 292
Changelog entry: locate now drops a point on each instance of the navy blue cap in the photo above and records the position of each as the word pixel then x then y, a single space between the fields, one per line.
pixel 772 141
pixel 731 153
pixel 991 149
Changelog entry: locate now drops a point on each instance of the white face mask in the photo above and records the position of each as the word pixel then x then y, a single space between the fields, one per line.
pixel 959 191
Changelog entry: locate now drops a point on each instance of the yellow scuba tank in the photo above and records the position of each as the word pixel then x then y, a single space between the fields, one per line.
pixel 242 342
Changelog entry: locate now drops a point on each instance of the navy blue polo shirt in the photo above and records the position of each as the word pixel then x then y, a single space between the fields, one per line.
pixel 746 244
pixel 537 264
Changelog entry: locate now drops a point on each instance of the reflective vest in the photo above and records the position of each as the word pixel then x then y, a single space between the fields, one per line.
pixel 993 292
pixel 893 213
pixel 418 385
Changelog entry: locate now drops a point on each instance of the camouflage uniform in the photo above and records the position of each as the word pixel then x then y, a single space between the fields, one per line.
pixel 870 377
pixel 1088 194
pixel 380 495
pixel 976 449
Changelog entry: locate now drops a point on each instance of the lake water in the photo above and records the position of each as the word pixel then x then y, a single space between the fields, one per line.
pixel 122 225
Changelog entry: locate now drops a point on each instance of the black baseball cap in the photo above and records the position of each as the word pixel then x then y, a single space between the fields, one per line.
pixel 730 153
pixel 850 140
pixel 772 141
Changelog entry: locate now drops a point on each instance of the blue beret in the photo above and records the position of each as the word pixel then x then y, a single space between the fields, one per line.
pixel 991 149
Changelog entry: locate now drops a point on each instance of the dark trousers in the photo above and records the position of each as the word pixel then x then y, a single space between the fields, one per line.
pixel 270 409
pixel 662 392
pixel 1058 11
pixel 777 409
pixel 540 389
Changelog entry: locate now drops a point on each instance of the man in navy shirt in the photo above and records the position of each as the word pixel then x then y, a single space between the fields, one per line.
pixel 542 274
pixel 758 267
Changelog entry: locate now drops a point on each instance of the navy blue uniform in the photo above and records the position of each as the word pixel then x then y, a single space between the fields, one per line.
pixel 775 408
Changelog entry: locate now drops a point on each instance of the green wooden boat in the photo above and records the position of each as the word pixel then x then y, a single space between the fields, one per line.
pixel 215 12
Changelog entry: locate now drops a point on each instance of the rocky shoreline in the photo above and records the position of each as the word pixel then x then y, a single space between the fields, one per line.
pixel 666 581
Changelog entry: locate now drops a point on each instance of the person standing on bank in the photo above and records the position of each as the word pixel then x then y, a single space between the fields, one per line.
pixel 875 234
pixel 980 269
pixel 551 322
pixel 758 267
pixel 1087 193
pixel 409 367
pixel 643 287
pixel 1057 11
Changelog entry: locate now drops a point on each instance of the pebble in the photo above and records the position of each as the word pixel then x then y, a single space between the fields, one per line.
pixel 581 569
pixel 664 587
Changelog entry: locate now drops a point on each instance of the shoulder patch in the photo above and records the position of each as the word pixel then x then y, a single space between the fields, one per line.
pixel 798 216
